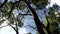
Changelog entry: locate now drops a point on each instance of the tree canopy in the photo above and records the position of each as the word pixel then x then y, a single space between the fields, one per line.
pixel 15 10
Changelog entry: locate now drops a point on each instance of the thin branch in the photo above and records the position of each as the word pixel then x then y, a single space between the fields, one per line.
pixel 2 21
pixel 12 8
pixel 31 27
pixel 3 3
pixel 46 19
pixel 25 14
pixel 13 27
pixel 9 14
pixel 48 23
pixel 17 28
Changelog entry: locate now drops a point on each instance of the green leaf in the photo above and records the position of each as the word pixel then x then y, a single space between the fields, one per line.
pixel 11 20
pixel 20 24
pixel 51 11
pixel 10 4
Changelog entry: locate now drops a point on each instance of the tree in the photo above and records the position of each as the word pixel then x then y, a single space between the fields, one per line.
pixel 39 25
pixel 7 11
pixel 53 19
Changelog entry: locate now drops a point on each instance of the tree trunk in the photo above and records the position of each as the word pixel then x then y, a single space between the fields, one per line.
pixel 48 23
pixel 38 23
pixel 17 32
pixel 15 29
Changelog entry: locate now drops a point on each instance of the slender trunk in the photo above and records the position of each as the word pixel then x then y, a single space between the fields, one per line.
pixel 15 29
pixel 36 19
pixel 17 32
pixel 48 23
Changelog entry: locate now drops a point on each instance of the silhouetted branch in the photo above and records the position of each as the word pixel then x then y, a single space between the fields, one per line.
pixel 9 14
pixel 2 20
pixel 13 27
pixel 38 23
pixel 5 1
pixel 17 32
pixel 25 14
pixel 31 27
pixel 48 23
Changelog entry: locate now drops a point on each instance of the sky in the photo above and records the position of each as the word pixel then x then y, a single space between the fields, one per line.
pixel 55 1
pixel 23 30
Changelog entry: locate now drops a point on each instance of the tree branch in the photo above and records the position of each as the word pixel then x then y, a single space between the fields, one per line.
pixel 13 27
pixel 25 14
pixel 31 27
pixel 9 14
pixel 48 23
pixel 3 3
pixel 2 21
pixel 38 23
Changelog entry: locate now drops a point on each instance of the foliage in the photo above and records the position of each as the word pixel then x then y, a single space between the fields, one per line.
pixel 37 33
pixel 4 11
pixel 52 18
pixel 8 9
pixel 40 3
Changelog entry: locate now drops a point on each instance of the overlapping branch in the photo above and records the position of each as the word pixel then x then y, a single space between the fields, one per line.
pixel 9 14
pixel 38 23
pixel 48 23
pixel 3 3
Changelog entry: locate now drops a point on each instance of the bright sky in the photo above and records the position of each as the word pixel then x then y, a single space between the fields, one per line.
pixel 55 1
pixel 9 30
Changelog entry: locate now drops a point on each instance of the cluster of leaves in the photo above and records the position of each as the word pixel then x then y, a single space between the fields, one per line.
pixel 7 7
pixel 40 3
pixel 52 18
pixel 5 11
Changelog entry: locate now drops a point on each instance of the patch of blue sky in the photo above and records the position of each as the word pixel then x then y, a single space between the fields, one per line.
pixel 23 30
